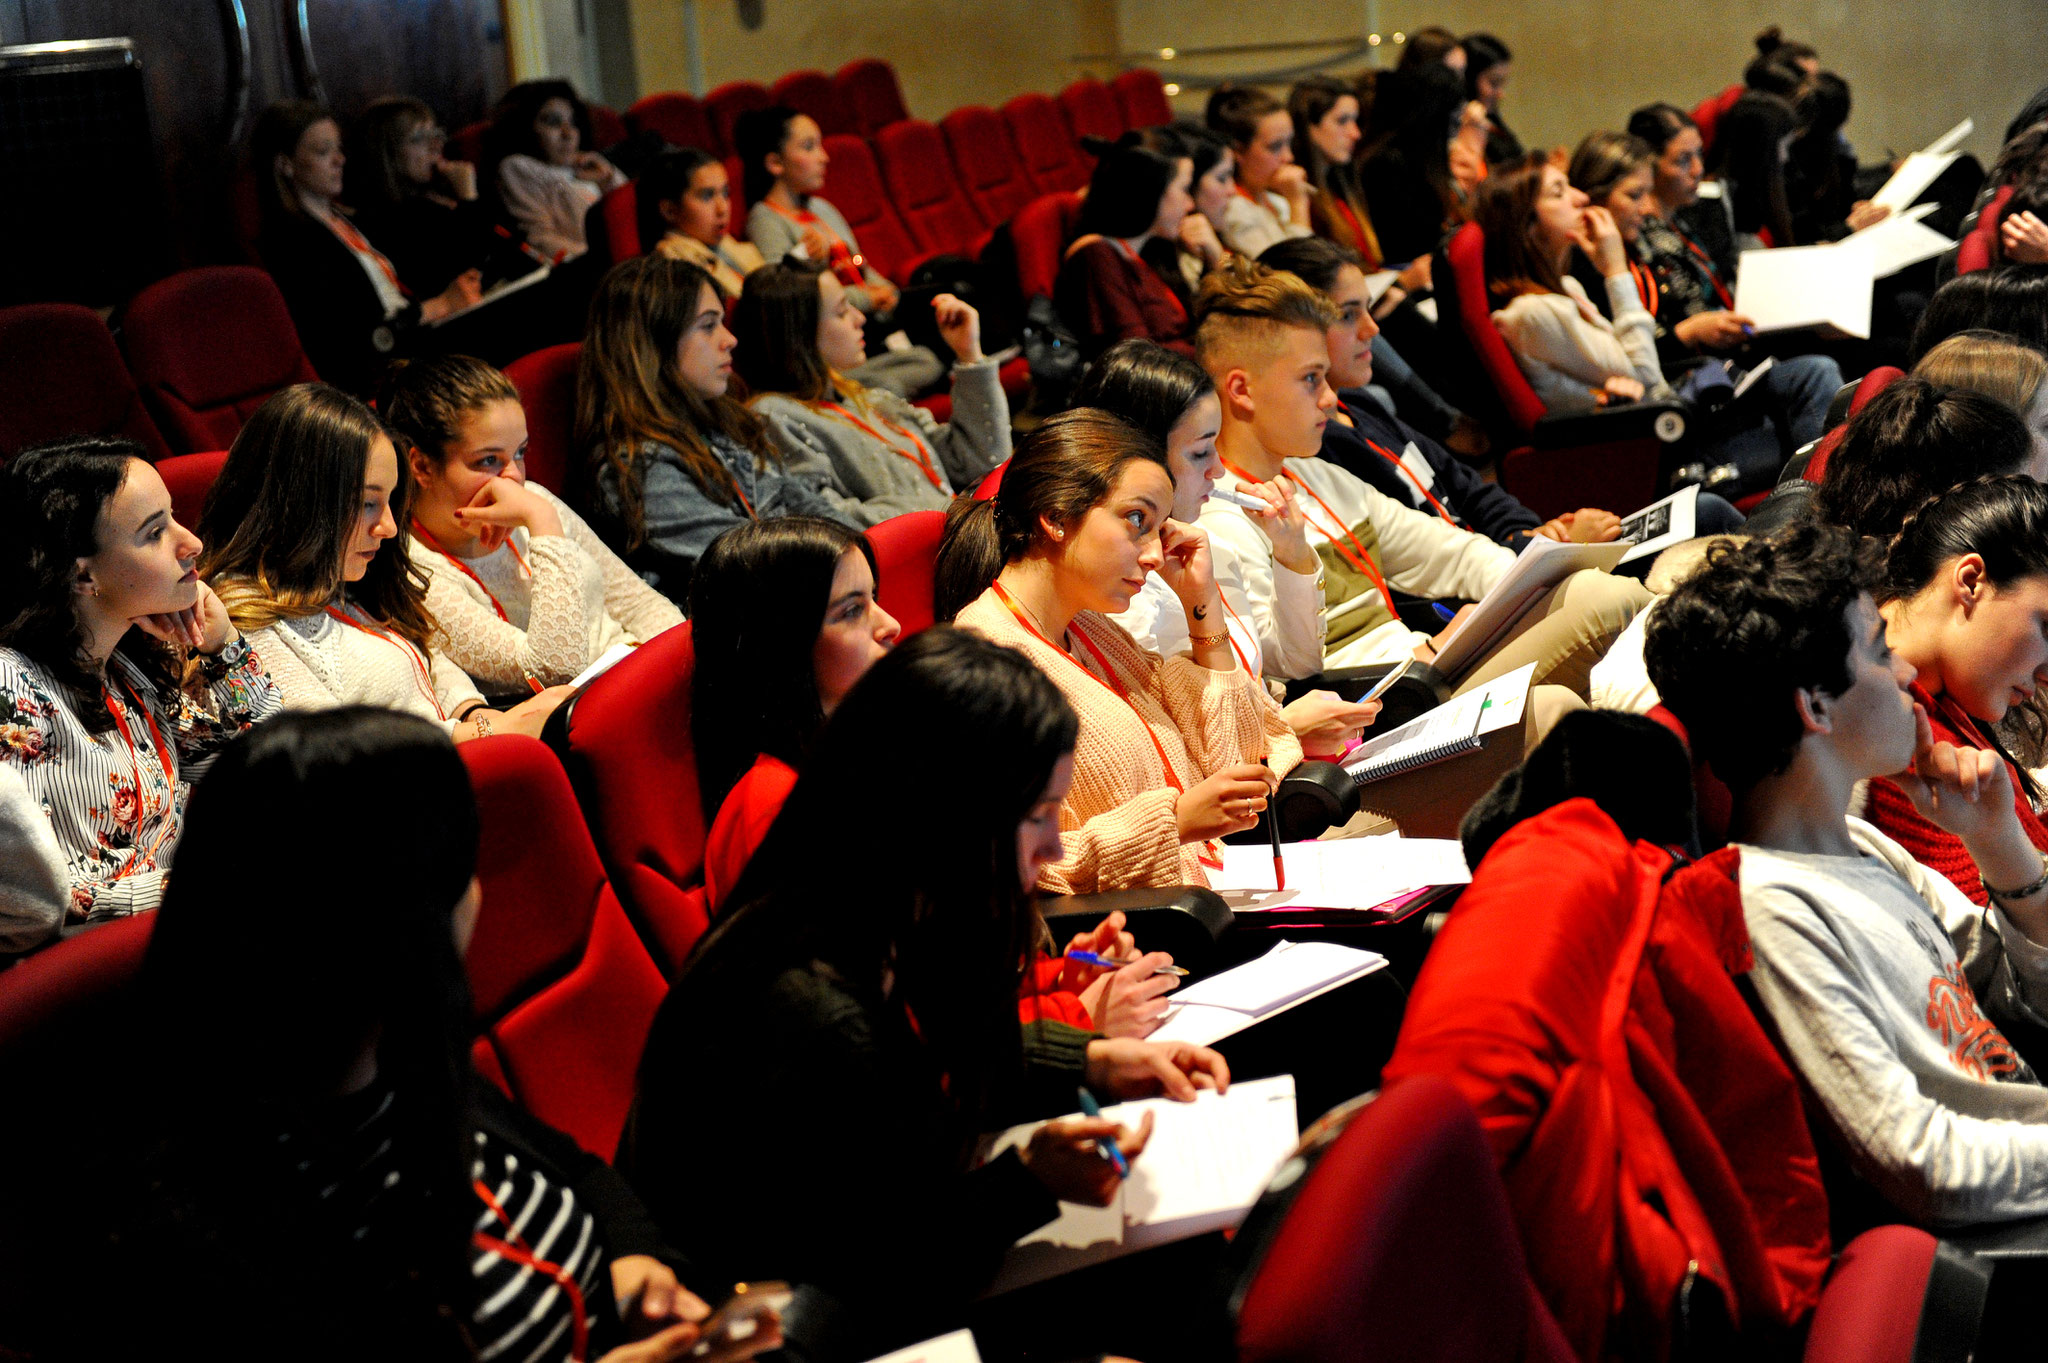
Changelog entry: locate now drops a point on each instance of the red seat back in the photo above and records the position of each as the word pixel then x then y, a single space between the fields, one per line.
pixel 546 381
pixel 48 996
pixel 729 101
pixel 813 93
pixel 1091 110
pixel 1141 94
pixel 1707 113
pixel 1713 802
pixel 625 742
pixel 736 181
pixel 466 143
pixel 189 477
pixel 677 118
pixel 906 550
pixel 1040 232
pixel 61 374
pixel 990 174
pixel 208 347
pixel 607 128
pixel 1868 387
pixel 853 183
pixel 869 89
pixel 1978 250
pixel 1044 145
pixel 564 989
pixel 1399 1244
pixel 1466 253
pixel 619 211
pixel 919 179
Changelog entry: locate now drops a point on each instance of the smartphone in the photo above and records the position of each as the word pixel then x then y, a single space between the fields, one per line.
pixel 1380 687
pixel 741 1314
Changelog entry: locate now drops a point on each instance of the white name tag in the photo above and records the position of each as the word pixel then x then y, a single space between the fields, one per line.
pixel 1418 466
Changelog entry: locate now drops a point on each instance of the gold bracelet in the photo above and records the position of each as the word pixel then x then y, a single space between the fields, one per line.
pixel 1216 638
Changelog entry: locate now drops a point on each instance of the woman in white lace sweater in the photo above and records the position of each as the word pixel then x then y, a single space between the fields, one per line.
pixel 299 528
pixel 524 592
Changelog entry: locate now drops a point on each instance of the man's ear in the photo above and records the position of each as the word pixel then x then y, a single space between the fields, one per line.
pixel 1816 710
pixel 1235 388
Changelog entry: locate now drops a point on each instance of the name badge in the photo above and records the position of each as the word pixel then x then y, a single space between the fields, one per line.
pixel 1418 466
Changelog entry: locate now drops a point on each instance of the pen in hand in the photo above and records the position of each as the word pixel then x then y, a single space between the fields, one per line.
pixel 1111 963
pixel 1106 1144
pixel 1273 829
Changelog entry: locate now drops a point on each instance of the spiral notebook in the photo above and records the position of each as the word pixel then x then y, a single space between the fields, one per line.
pixel 1459 725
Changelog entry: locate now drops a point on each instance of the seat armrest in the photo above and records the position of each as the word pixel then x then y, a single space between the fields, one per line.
pixel 1315 797
pixel 1422 689
pixel 1665 422
pixel 1838 405
pixel 1186 921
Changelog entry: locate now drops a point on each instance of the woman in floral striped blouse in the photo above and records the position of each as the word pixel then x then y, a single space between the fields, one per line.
pixel 120 674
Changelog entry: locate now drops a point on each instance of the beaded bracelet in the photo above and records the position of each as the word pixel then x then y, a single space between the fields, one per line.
pixel 2024 892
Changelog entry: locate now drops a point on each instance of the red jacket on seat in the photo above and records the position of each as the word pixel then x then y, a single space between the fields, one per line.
pixel 1581 998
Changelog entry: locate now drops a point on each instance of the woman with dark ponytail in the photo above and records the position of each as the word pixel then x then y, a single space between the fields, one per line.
pixel 1965 601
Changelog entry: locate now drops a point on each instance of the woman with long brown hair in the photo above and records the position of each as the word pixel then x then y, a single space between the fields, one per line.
pixel 299 532
pixel 670 461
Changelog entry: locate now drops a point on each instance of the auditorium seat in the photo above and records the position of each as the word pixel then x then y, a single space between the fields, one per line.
pixel 906 550
pixel 1044 145
pixel 1041 231
pixel 736 181
pixel 1091 110
pixel 1978 250
pixel 1868 387
pixel 607 128
pixel 871 93
pixel 812 93
pixel 853 183
pixel 1707 113
pixel 725 104
pixel 188 478
pixel 564 989
pixel 1141 94
pixel 918 177
pixel 1613 457
pixel 61 374
pixel 1397 1244
pixel 619 212
pixel 208 347
pixel 677 117
pixel 1713 803
pixel 990 174
pixel 624 740
pixel 466 143
pixel 546 381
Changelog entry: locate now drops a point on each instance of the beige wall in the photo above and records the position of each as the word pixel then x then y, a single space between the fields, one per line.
pixel 1581 64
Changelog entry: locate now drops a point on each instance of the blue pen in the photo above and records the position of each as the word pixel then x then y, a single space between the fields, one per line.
pixel 1106 1144
pixel 1108 963
pixel 1443 612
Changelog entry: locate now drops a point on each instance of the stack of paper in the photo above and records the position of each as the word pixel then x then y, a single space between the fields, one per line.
pixel 1205 1166
pixel 1341 873
pixel 957 1347
pixel 1290 974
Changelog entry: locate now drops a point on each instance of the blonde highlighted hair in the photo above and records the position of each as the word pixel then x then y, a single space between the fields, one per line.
pixel 1243 306
pixel 1990 363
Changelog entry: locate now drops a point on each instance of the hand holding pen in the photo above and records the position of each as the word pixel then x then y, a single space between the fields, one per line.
pixel 1128 998
pixel 1070 1157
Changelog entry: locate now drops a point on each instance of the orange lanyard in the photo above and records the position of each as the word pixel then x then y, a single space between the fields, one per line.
pixel 1646 285
pixel 1180 309
pixel 1360 560
pixel 1363 239
pixel 843 262
pixel 1707 265
pixel 163 757
pixel 922 458
pixel 516 1251
pixel 1249 670
pixel 427 537
pixel 412 655
pixel 1409 474
pixel 1108 681
pixel 360 244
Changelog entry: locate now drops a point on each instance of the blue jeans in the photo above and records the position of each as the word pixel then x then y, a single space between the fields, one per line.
pixel 1787 408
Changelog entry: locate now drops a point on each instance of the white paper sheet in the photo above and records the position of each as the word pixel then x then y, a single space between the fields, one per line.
pixel 957 1347
pixel 1796 287
pixel 1541 565
pixel 1288 972
pixel 1669 520
pixel 609 659
pixel 499 290
pixel 1493 706
pixel 1340 873
pixel 1922 169
pixel 1893 243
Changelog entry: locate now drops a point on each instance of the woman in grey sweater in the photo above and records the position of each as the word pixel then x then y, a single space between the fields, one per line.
pixel 869 452
pixel 670 462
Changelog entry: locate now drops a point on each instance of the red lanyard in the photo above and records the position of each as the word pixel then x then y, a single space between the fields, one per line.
pixel 516 1251
pixel 923 457
pixel 412 655
pixel 845 264
pixel 163 757
pixel 427 537
pixel 1360 560
pixel 1180 309
pixel 1365 242
pixel 1409 474
pixel 360 244
pixel 1646 285
pixel 1110 682
pixel 1249 670
pixel 1707 263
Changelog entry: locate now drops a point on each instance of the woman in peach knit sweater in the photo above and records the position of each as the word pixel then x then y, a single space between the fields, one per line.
pixel 1169 754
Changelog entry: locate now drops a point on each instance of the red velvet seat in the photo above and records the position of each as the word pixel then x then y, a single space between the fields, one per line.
pixel 61 374
pixel 51 995
pixel 607 127
pixel 466 143
pixel 919 179
pixel 1978 250
pixel 1707 113
pixel 677 117
pixel 1713 802
pixel 1041 231
pixel 1399 1244
pixel 546 381
pixel 208 347
pixel 1868 387
pixel 725 104
pixel 564 989
pixel 1141 94
pixel 869 89
pixel 1044 145
pixel 813 93
pixel 853 184
pixel 189 477
pixel 991 176
pixel 1091 110
pixel 619 211
pixel 906 548
pixel 625 742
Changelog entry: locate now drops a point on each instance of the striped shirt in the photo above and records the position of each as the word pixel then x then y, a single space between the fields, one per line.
pixel 116 800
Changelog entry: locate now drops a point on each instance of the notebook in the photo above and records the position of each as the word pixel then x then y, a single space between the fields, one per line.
pixel 1354 874
pixel 1541 565
pixel 1459 725
pixel 1290 974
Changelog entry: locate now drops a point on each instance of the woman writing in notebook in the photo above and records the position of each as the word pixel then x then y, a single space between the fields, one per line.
pixel 525 594
pixel 1171 749
pixel 299 530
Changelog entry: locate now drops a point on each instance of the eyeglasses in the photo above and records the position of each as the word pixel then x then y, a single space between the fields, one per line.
pixel 428 136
